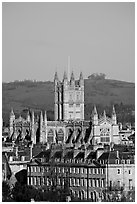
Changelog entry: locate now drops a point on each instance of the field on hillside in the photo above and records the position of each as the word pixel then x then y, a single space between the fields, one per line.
pixel 40 95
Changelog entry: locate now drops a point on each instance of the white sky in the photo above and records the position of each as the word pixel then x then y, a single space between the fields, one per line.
pixel 37 39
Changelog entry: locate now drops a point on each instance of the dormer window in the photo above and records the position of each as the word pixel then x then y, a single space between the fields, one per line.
pixel 117 161
pixel 123 161
pixel 128 161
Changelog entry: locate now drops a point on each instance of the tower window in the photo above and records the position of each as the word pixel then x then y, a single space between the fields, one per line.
pixel 77 97
pixel 70 97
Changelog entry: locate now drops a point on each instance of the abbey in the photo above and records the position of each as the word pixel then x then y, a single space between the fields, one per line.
pixel 69 126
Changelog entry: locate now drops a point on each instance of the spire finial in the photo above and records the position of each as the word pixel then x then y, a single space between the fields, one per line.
pixel 11 112
pixel 68 68
pixel 81 76
pixel 95 110
pixel 56 76
pixel 20 118
pixel 28 116
pixel 41 116
pixel 45 116
pixel 104 114
pixel 72 76
pixel 113 111
pixel 65 76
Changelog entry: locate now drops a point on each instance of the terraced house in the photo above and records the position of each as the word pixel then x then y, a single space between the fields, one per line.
pixel 78 170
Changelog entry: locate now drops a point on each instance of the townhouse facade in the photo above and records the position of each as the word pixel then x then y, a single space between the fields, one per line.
pixel 120 169
pixel 85 178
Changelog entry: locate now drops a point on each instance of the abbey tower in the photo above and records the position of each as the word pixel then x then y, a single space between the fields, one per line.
pixel 69 98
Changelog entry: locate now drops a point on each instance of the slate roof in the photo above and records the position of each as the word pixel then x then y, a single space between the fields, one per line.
pixel 104 156
pixel 92 155
pixel 58 154
pixel 69 154
pixel 80 155
pixel 43 154
pixel 112 156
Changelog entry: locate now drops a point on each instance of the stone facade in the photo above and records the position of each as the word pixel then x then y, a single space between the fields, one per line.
pixel 76 169
pixel 69 98
pixel 105 130
pixel 120 168
pixel 69 126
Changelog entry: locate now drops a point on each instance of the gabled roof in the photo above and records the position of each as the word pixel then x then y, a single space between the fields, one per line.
pixel 91 155
pixel 131 137
pixel 58 154
pixel 113 155
pixel 80 155
pixel 43 154
pixel 69 154
pixel 34 162
pixel 104 156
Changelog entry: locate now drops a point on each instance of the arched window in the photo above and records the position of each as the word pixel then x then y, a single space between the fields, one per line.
pixel 50 137
pixel 117 161
pixel 60 136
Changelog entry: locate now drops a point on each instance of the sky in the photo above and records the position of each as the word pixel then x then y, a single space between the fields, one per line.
pixel 37 39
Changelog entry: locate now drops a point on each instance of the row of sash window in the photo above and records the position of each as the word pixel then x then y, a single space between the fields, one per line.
pixel 61 181
pixel 69 170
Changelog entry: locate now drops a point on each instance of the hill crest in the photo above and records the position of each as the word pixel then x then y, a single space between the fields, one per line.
pixel 39 95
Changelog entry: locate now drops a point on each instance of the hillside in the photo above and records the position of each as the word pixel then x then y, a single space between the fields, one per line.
pixel 40 95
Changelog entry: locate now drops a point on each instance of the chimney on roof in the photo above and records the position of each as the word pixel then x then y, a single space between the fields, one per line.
pixel 23 158
pixel 117 153
pixel 16 151
pixel 31 147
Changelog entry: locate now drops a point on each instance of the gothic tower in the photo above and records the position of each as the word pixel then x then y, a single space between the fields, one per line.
pixel 69 98
pixel 11 122
pixel 41 127
pixel 57 99
pixel 94 116
pixel 33 136
pixel 114 117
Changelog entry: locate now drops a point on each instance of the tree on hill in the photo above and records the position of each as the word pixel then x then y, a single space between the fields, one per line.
pixel 97 76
